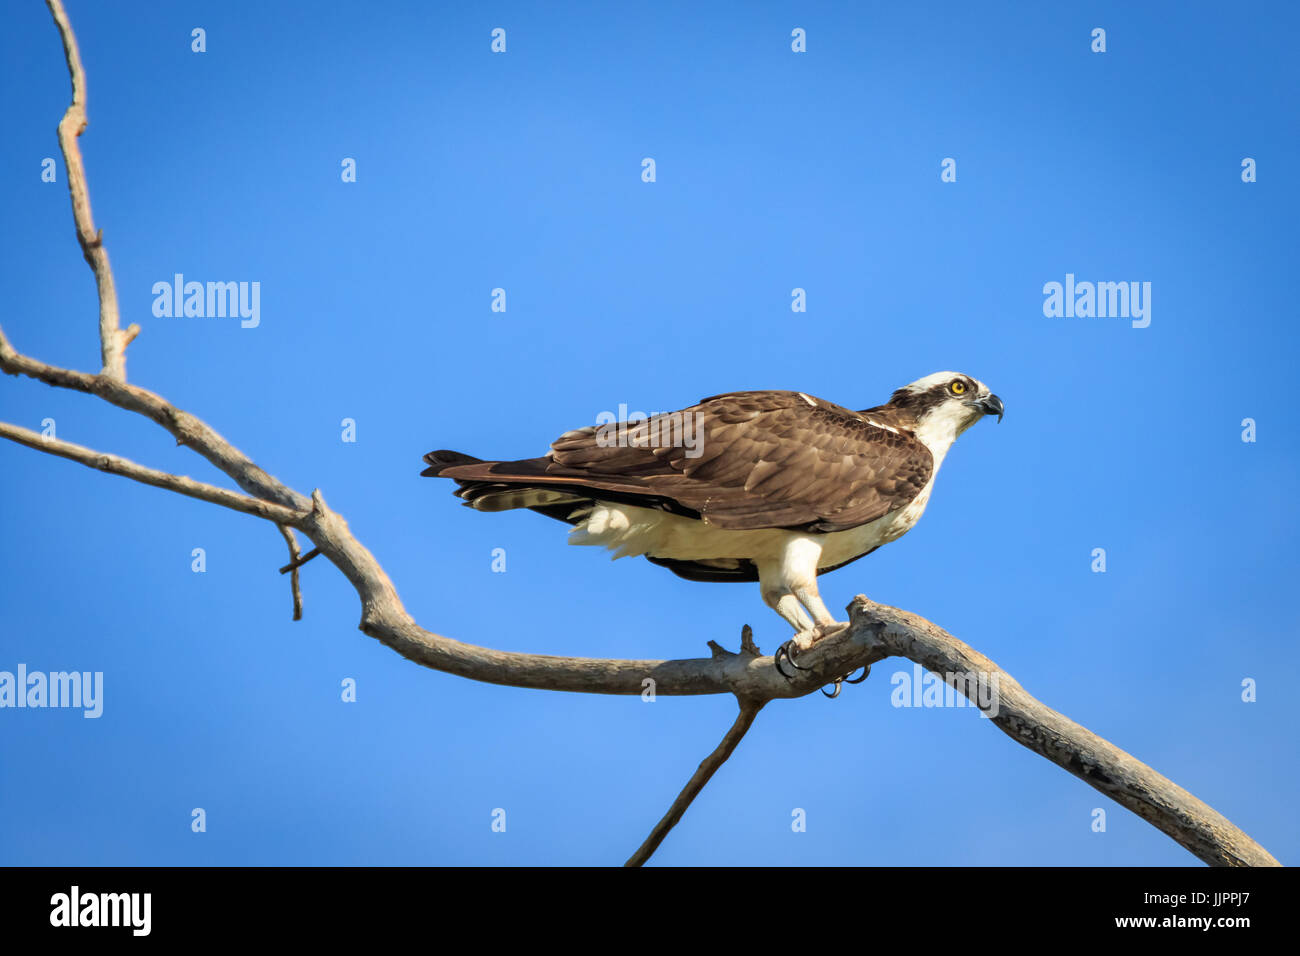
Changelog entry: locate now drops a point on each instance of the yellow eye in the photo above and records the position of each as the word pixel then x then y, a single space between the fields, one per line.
pixel 957 387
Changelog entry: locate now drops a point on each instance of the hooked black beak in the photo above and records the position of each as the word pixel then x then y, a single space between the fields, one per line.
pixel 989 405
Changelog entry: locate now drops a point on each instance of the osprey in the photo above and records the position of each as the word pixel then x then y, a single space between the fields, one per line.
pixel 776 487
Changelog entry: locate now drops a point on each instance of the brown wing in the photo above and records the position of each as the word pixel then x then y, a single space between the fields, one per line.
pixel 760 460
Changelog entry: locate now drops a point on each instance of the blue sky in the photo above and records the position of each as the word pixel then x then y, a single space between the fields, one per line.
pixel 775 170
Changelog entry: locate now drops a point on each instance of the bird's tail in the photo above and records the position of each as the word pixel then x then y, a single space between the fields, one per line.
pixel 501 485
pixel 439 461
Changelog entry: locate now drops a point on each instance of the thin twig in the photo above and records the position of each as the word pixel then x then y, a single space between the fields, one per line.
pixel 294 564
pixel 185 428
pixel 113 340
pixel 708 766
pixel 116 465
pixel 298 562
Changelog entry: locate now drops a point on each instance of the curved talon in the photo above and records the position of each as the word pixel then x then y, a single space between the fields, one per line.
pixel 841 681
pixel 785 650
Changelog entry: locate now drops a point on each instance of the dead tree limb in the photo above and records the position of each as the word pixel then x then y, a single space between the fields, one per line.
pixel 116 465
pixel 295 562
pixel 708 766
pixel 875 632
pixel 1029 722
pixel 113 339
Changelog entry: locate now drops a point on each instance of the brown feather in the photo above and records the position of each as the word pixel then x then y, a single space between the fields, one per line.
pixel 768 460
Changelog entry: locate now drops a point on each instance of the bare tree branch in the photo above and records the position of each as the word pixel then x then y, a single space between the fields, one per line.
pixel 300 560
pixel 383 615
pixel 293 566
pixel 1095 761
pixel 113 340
pixel 708 766
pixel 187 429
pixel 875 632
pixel 116 465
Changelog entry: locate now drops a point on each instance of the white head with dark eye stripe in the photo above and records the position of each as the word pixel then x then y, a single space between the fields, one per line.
pixel 944 405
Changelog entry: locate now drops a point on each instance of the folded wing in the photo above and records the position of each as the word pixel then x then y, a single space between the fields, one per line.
pixel 740 461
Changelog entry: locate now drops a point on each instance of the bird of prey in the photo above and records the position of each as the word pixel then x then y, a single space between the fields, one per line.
pixel 775 487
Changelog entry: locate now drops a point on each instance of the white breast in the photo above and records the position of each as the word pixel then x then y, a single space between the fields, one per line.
pixel 628 531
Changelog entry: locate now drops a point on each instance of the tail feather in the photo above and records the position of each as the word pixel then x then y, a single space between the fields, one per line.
pixel 530 483
pixel 500 485
pixel 442 459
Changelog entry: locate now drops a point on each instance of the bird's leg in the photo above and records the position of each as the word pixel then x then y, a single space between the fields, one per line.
pixel 825 625
pixel 790 585
pixel 786 604
pixel 809 598
pixel 799 560
pixel 778 596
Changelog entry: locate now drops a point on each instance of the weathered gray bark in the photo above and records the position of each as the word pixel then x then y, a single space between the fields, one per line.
pixel 1029 722
pixel 875 631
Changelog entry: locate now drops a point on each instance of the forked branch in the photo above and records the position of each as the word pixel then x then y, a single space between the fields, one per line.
pixel 875 632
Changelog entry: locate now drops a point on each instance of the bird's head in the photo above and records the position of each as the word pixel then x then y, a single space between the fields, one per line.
pixel 944 405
